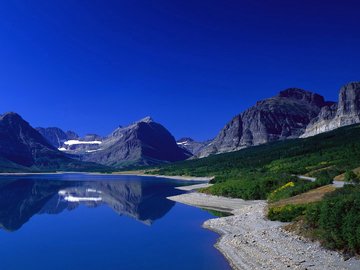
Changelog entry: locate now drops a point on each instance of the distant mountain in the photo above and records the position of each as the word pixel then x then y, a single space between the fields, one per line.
pixel 89 143
pixel 143 143
pixel 190 145
pixel 283 116
pixel 22 148
pixel 293 113
pixel 81 146
pixel 57 136
pixel 92 137
pixel 70 142
pixel 346 112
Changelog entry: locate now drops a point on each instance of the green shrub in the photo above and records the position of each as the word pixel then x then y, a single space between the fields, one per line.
pixel 300 186
pixel 286 213
pixel 272 165
pixel 336 219
pixel 235 189
pixel 312 215
pixel 324 178
pixel 281 192
pixel 250 186
pixel 350 176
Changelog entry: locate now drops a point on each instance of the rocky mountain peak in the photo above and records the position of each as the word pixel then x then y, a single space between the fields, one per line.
pixel 185 139
pixel 11 117
pixel 332 116
pixel 303 95
pixel 56 136
pixel 283 116
pixel 71 135
pixel 349 98
pixel 21 144
pixel 351 85
pixel 146 119
pixel 190 145
pixel 119 132
pixel 92 137
pixel 143 142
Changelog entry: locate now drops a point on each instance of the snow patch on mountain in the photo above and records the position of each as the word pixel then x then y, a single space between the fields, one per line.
pixel 74 142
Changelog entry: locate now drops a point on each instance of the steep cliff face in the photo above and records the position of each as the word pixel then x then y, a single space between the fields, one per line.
pixel 57 136
pixel 22 148
pixel 283 116
pixel 346 112
pixel 22 144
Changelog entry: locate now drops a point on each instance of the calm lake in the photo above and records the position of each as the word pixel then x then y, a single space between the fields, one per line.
pixel 79 221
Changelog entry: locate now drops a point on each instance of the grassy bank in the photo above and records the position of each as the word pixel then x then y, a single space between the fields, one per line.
pixel 255 172
pixel 334 221
pixel 269 172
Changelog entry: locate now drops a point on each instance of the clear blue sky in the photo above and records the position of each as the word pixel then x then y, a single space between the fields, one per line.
pixel 90 66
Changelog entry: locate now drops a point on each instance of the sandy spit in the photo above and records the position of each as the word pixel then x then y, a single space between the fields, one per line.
pixel 250 241
pixel 194 187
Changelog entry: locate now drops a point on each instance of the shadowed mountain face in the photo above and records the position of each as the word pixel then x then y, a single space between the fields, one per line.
pixel 283 116
pixel 57 136
pixel 22 145
pixel 22 148
pixel 143 143
pixel 190 145
pixel 345 112
pixel 70 142
pixel 22 198
pixel 292 113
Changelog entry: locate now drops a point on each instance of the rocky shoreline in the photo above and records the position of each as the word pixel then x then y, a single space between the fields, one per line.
pixel 250 241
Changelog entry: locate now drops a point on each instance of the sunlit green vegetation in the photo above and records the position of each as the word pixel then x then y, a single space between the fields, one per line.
pixel 350 176
pixel 335 220
pixel 255 172
pixel 287 212
pixel 269 172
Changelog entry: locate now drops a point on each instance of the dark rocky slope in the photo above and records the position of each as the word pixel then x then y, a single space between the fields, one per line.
pixel 346 112
pixel 194 147
pixel 283 116
pixel 69 142
pixel 142 143
pixel 22 148
pixel 57 136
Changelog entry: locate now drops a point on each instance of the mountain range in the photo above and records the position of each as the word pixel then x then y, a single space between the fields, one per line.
pixel 23 148
pixel 56 136
pixel 191 145
pixel 144 142
pixel 345 112
pixel 293 113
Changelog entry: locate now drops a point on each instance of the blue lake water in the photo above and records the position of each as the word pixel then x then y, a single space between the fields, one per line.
pixel 75 221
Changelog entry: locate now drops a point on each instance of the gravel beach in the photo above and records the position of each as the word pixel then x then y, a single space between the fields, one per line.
pixel 250 241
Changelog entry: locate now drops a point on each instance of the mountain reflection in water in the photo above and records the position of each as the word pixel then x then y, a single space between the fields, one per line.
pixel 23 197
